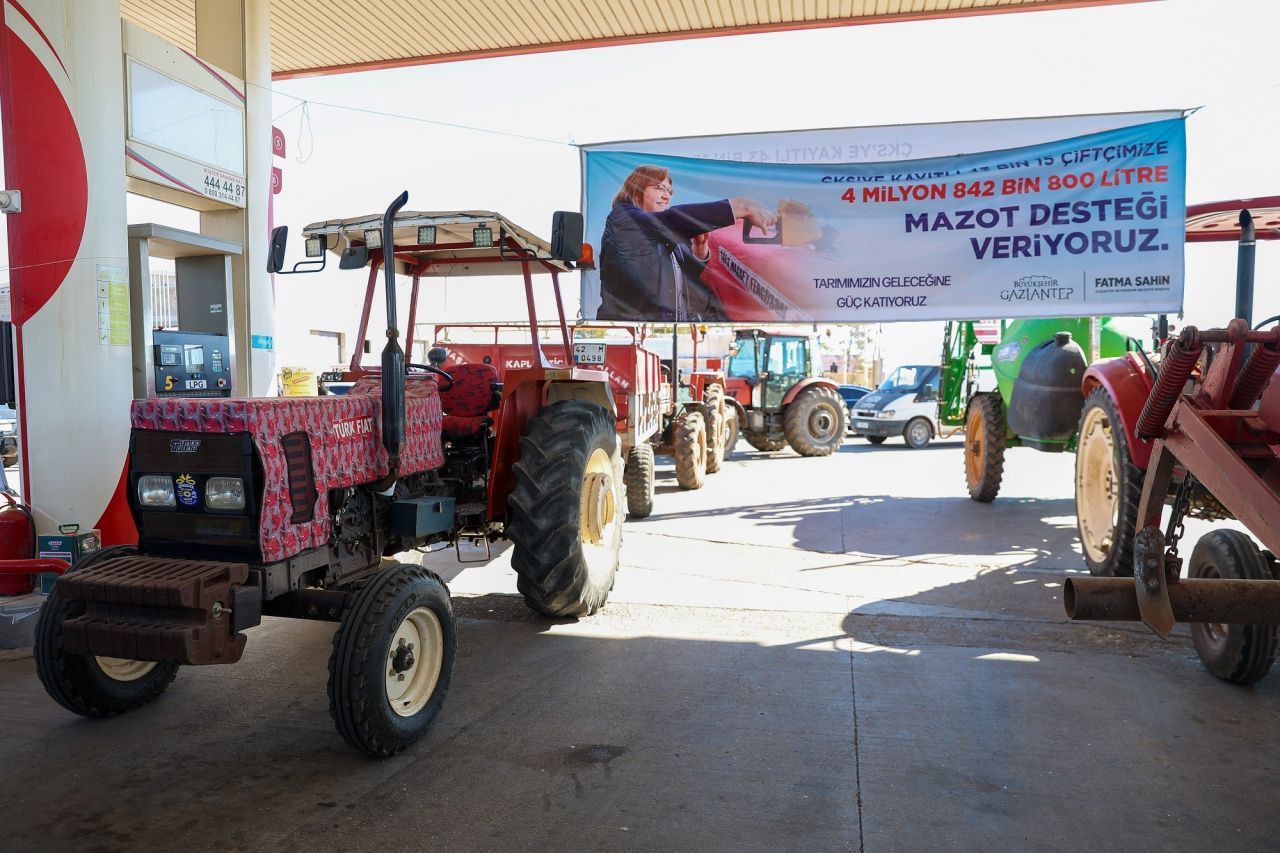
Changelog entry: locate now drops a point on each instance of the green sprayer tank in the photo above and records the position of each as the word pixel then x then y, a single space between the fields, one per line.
pixel 1020 337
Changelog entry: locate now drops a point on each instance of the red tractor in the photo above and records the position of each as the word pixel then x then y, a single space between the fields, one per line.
pixel 635 377
pixel 1213 420
pixel 290 506
pixel 1111 458
pixel 778 396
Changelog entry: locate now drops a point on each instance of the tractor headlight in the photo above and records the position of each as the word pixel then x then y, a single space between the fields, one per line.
pixel 887 413
pixel 156 490
pixel 224 493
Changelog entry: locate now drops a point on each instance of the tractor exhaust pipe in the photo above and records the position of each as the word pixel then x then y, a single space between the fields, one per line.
pixel 1233 602
pixel 392 355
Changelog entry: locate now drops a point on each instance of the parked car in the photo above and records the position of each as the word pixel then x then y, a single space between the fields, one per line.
pixel 852 394
pixel 905 404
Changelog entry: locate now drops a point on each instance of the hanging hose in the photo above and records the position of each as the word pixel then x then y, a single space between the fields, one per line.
pixel 1174 372
pixel 1257 370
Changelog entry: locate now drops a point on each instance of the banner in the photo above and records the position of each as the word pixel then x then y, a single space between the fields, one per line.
pixel 1090 225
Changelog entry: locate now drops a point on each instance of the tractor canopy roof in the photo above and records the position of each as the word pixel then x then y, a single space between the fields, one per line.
pixel 1216 221
pixel 444 243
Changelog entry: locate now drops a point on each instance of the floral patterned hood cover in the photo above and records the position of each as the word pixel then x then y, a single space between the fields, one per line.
pixel 346 446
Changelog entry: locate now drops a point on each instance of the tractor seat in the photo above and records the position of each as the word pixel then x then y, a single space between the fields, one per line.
pixel 475 392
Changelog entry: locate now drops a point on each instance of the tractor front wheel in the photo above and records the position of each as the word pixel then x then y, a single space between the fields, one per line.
pixel 1241 654
pixel 814 422
pixel 566 509
pixel 715 414
pixel 689 445
pixel 1108 488
pixel 638 478
pixel 91 685
pixel 984 434
pixel 392 660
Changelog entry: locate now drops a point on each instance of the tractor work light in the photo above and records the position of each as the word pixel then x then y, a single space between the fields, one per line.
pixel 315 246
pixel 373 238
pixel 156 490
pixel 426 235
pixel 482 237
pixel 224 493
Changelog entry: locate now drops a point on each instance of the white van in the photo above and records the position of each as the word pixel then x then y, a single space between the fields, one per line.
pixel 905 404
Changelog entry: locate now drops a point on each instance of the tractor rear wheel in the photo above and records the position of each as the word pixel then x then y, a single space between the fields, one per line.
pixel 814 422
pixel 91 685
pixel 392 660
pixel 638 478
pixel 1108 488
pixel 689 444
pixel 1241 654
pixel 984 434
pixel 714 412
pixel 566 509
pixel 764 441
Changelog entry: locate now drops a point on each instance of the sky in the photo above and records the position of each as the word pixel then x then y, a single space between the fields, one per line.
pixel 1171 54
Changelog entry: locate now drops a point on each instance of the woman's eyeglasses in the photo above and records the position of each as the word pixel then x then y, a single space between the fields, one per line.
pixel 663 188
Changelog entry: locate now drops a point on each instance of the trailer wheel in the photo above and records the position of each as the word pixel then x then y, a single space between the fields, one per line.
pixel 392 660
pixel 637 476
pixel 714 412
pixel 814 422
pixel 917 433
pixel 689 445
pixel 765 442
pixel 91 685
pixel 984 433
pixel 1241 654
pixel 1108 488
pixel 566 509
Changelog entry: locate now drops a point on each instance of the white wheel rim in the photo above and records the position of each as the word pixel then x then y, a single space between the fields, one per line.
pixel 598 515
pixel 1097 486
pixel 124 669
pixel 822 423
pixel 414 661
pixel 919 433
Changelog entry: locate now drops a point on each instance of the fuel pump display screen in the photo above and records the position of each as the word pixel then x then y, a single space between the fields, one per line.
pixel 192 364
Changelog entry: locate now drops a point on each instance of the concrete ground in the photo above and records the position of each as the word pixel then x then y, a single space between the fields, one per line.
pixel 807 654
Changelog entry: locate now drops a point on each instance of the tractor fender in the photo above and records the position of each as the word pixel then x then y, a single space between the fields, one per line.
pixel 596 392
pixel 805 383
pixel 1127 381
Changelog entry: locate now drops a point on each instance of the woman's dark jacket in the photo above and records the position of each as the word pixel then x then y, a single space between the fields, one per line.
pixel 637 277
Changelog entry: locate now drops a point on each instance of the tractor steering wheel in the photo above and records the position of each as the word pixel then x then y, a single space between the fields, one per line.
pixel 437 371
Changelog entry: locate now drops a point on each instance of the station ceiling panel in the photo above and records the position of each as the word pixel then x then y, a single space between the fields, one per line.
pixel 333 36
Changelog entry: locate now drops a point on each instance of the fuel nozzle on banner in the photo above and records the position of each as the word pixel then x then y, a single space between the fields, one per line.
pixel 797 226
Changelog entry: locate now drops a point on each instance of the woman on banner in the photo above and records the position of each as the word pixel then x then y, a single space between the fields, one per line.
pixel 652 254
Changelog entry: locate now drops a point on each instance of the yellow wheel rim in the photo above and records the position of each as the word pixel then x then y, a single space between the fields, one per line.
pixel 598 511
pixel 414 661
pixel 124 669
pixel 975 447
pixel 1097 485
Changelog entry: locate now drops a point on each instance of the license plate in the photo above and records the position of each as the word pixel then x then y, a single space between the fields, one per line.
pixel 194 384
pixel 588 353
pixel 860 424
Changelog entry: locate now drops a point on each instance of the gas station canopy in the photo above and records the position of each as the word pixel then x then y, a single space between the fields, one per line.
pixel 310 37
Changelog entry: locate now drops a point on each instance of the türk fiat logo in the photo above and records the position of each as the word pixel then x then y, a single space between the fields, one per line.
pixel 184 445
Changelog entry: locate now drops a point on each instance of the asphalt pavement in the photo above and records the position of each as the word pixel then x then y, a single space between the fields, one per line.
pixel 806 654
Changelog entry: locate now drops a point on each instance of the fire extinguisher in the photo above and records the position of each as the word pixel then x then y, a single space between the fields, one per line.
pixel 17 542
